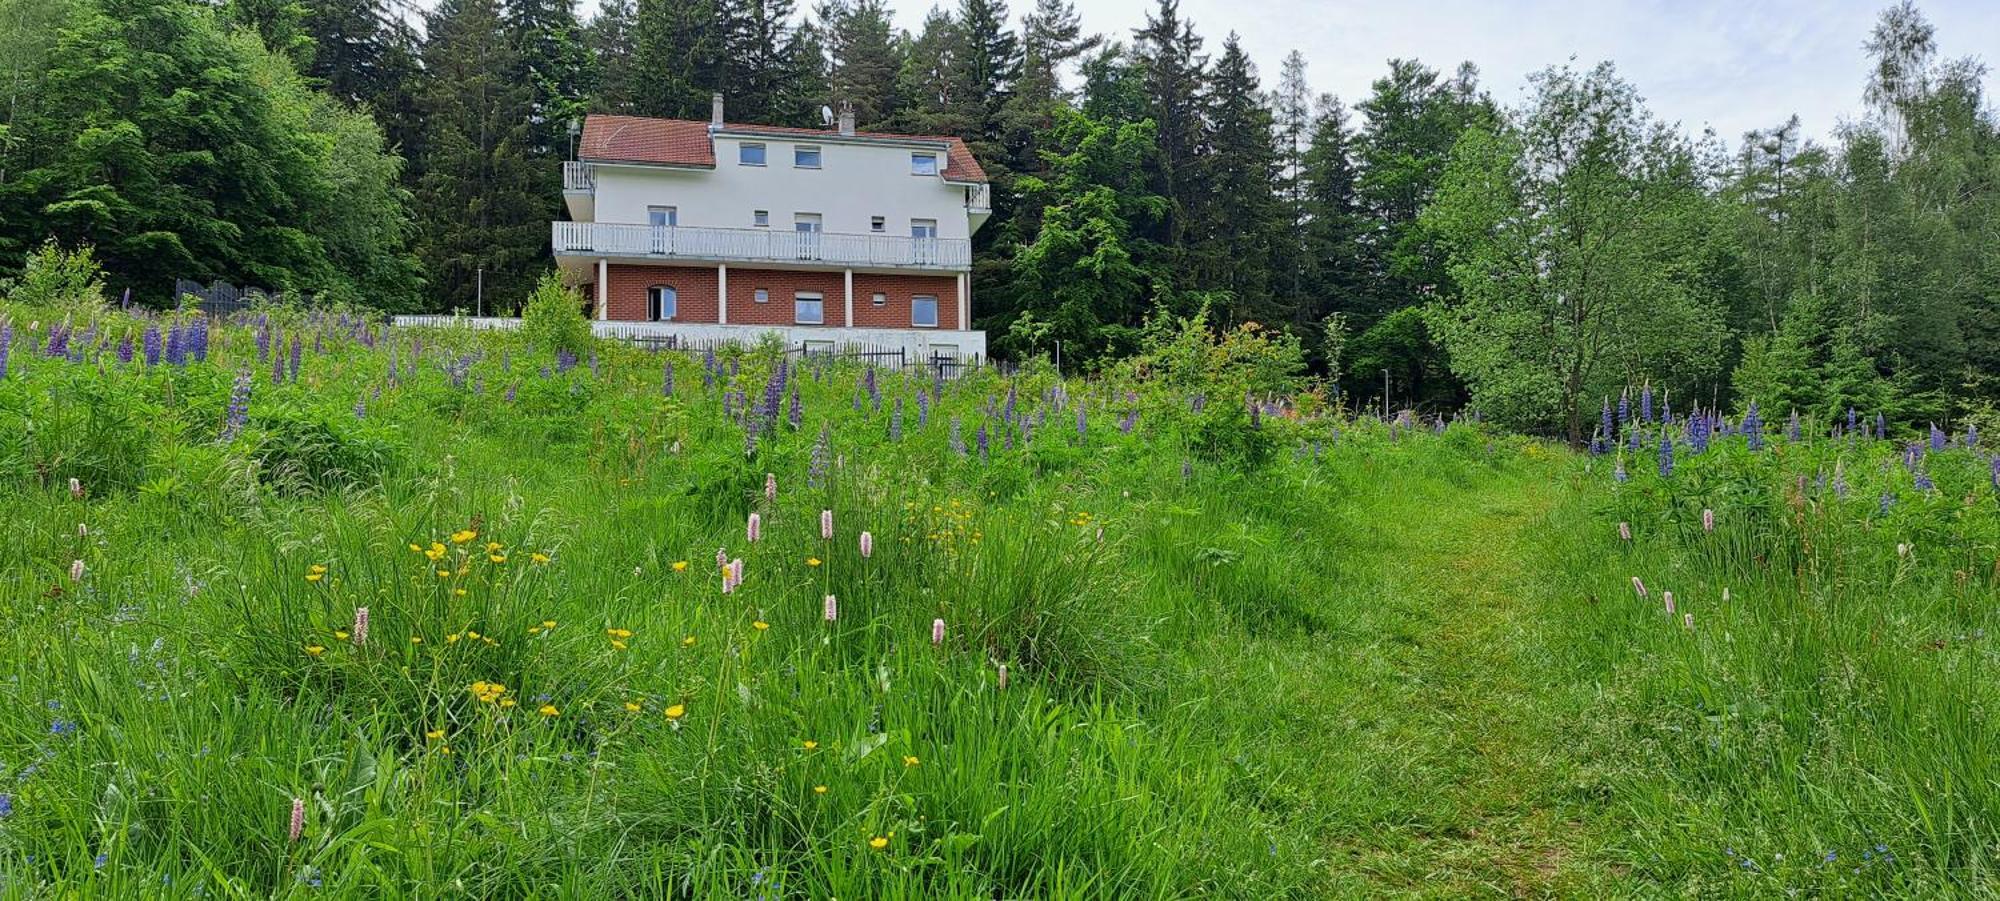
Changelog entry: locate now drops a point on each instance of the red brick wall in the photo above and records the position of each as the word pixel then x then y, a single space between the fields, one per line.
pixel 694 288
pixel 895 312
pixel 783 284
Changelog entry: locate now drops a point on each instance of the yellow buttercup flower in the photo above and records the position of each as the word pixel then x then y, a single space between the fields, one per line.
pixel 680 566
pixel 416 547
pixel 492 546
pixel 313 650
pixel 445 750
pixel 617 645
pixel 444 574
pixel 548 624
pixel 471 634
pixel 619 633
pixel 910 760
pixel 632 706
pixel 434 734
pixel 416 639
pixel 687 642
pixel 761 625
pixel 548 710
pixel 539 557
pixel 819 789
pixel 463 535
pixel 810 744
pixel 878 843
pixel 314 577
pixel 339 636
pixel 677 711
pixel 451 639
pixel 507 702
pixel 812 561
pixel 316 568
pixel 496 558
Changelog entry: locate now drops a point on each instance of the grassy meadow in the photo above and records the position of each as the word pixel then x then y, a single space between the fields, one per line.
pixel 645 624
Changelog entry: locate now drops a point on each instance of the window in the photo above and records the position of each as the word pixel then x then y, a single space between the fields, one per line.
pixel 805 157
pixel 761 218
pixel 808 309
pixel 923 164
pixel 663 216
pixel 923 311
pixel 750 155
pixel 763 295
pixel 877 223
pixel 881 299
pixel 807 225
pixel 806 222
pixel 661 303
pixel 923 228
pixel 923 234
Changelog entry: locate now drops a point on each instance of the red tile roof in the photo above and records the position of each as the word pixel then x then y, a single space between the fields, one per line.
pixel 686 142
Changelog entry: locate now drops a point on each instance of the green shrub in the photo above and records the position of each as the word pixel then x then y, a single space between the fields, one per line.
pixel 553 320
pixel 68 280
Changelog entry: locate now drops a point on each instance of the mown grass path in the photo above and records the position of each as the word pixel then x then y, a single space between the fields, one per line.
pixel 1419 738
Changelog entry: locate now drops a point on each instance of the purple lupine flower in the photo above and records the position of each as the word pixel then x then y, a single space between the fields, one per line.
pixel 239 406
pixel 510 391
pixel 6 345
pixel 822 454
pixel 1881 427
pixel 1753 428
pixel 277 369
pixel 795 412
pixel 1605 438
pixel 868 384
pixel 1850 420
pixel 957 439
pixel 1646 404
pixel 151 342
pixel 1937 438
pixel 1994 467
pixel 1971 434
pixel 981 439
pixel 1882 507
pixel 361 408
pixel 125 348
pixel 263 344
pixel 1618 473
pixel 709 368
pixel 1624 410
pixel 1792 428
pixel 923 408
pixel 1132 419
pixel 176 346
pixel 198 340
pixel 58 340
pixel 1666 454
pixel 293 374
pixel 1082 424
pixel 754 528
pixel 1922 480
pixel 895 420
pixel 6 806
pixel 565 361
pixel 1697 429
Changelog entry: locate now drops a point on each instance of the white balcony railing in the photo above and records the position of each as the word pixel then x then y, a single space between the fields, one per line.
pixel 579 178
pixel 978 198
pixel 759 245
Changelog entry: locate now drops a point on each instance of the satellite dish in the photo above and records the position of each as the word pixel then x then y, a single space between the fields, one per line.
pixel 826 114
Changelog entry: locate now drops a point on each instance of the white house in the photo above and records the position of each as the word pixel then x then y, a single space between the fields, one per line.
pixel 713 229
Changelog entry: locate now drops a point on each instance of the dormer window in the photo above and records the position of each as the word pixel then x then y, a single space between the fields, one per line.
pixel 804 157
pixel 923 164
pixel 750 155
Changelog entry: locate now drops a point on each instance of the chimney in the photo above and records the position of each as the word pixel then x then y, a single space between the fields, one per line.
pixel 715 111
pixel 847 118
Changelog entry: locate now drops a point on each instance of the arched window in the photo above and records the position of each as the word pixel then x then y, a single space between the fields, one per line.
pixel 661 303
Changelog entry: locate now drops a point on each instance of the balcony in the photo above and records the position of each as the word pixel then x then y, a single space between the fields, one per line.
pixel 579 178
pixel 978 198
pixel 759 245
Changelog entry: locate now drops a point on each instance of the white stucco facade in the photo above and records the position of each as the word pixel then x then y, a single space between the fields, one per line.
pixel 854 184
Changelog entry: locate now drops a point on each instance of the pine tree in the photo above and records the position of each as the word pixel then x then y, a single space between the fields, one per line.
pixel 610 39
pixel 1052 37
pixel 1242 218
pixel 756 65
pixel 483 197
pixel 925 85
pixel 984 69
pixel 1175 75
pixel 1292 109
pixel 551 58
pixel 1335 266
pixel 349 42
pixel 865 58
pixel 678 62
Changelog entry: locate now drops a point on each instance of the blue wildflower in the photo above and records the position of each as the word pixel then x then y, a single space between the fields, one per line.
pixel 1646 404
pixel 1937 438
pixel 62 727
pixel 1666 454
pixel 239 406
pixel 6 806
pixel 1753 428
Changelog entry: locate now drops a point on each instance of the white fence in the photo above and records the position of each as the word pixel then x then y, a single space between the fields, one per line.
pixel 913 346
pixel 758 245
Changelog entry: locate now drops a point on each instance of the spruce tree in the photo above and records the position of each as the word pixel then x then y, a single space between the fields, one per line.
pixel 1242 220
pixel 484 199
pixel 678 61
pixel 864 58
pixel 610 39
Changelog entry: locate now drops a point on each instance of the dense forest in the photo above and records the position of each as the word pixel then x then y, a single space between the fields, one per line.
pixel 1524 261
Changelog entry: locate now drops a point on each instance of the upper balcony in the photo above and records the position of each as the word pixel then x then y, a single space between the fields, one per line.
pixel 759 245
pixel 580 190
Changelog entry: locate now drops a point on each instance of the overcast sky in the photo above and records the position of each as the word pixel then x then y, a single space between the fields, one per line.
pixel 1733 65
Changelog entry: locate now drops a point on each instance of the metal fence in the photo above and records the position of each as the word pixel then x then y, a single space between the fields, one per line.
pixel 222 299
